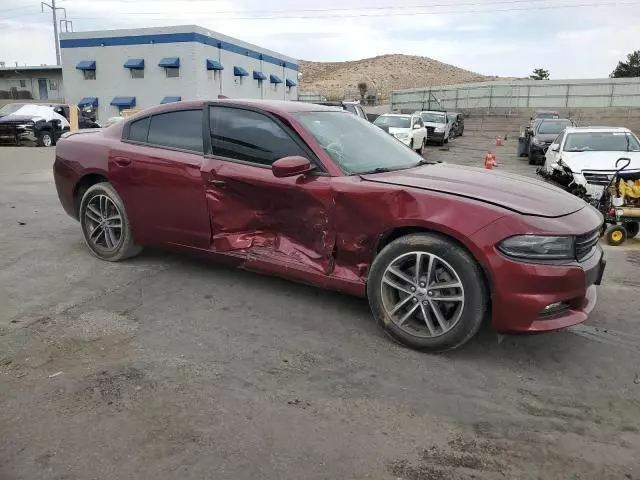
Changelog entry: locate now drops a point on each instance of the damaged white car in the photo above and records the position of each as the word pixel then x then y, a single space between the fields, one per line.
pixel 583 159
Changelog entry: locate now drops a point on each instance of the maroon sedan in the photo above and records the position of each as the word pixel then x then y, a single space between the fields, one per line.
pixel 320 196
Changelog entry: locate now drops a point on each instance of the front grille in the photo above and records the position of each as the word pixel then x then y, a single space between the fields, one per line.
pixel 585 244
pixel 430 130
pixel 598 178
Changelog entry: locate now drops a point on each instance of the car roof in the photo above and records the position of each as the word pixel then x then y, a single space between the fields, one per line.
pixel 431 111
pixel 597 129
pixel 274 106
pixel 397 115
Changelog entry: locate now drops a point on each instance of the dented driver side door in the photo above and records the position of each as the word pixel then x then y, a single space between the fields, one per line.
pixel 267 220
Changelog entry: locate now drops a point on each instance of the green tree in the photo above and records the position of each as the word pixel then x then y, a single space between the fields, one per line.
pixel 630 68
pixel 539 74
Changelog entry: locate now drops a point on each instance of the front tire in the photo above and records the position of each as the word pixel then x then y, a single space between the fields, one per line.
pixel 45 139
pixel 420 151
pixel 105 225
pixel 427 292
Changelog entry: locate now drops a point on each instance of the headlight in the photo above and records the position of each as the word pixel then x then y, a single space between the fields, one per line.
pixel 402 136
pixel 537 141
pixel 439 129
pixel 537 247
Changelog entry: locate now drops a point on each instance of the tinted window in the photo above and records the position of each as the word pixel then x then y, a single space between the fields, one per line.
pixel 351 108
pixel 395 121
pixel 433 117
pixel 249 136
pixel 138 130
pixel 182 129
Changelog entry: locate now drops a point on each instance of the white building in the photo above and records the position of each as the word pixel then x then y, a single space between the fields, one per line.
pixel 116 69
pixel 42 82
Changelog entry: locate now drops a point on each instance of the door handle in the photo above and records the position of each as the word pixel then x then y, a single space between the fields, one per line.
pixel 217 183
pixel 123 161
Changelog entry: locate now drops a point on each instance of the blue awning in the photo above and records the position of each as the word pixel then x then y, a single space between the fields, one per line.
pixel 86 65
pixel 135 63
pixel 84 101
pixel 123 102
pixel 170 99
pixel 258 75
pixel 170 62
pixel 213 65
pixel 274 79
pixel 240 72
pixel 290 83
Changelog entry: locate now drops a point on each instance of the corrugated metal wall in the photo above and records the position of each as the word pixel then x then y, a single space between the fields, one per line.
pixel 598 93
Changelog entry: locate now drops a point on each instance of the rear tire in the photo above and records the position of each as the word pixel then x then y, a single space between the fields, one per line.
pixel 442 262
pixel 632 229
pixel 105 224
pixel 615 235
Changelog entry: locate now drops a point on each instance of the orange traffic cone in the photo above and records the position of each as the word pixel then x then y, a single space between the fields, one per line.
pixel 489 160
pixel 499 141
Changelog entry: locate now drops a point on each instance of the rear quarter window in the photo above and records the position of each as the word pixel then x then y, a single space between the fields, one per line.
pixel 139 130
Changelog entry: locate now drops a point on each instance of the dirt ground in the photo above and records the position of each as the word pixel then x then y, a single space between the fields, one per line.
pixel 167 367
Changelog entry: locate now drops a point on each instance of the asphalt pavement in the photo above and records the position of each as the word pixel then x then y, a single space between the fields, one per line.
pixel 167 367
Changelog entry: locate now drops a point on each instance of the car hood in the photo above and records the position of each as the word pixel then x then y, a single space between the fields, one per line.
pixel 394 130
pixel 513 192
pixel 546 137
pixel 35 113
pixel 598 161
pixel 16 119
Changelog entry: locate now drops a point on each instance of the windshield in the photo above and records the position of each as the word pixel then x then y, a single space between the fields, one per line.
pixel 10 108
pixel 356 145
pixel 601 142
pixel 432 117
pixel 393 121
pixel 553 127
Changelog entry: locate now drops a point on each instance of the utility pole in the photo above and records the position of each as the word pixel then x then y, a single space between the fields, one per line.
pixel 55 25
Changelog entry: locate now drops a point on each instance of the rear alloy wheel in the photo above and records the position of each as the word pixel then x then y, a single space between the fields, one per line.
pixel 45 139
pixel 427 292
pixel 105 224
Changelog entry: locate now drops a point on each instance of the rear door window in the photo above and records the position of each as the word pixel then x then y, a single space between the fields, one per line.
pixel 139 130
pixel 181 129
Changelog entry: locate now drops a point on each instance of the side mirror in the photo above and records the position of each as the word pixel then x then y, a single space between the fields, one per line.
pixel 290 166
pixel 555 148
pixel 416 127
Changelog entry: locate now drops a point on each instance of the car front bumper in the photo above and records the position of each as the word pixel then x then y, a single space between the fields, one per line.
pixel 406 141
pixel 523 290
pixel 14 135
pixel 436 136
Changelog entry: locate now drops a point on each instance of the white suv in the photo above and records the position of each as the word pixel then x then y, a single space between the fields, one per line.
pixel 437 124
pixel 589 154
pixel 409 129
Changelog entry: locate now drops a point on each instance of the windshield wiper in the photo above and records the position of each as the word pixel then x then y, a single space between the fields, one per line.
pixel 377 170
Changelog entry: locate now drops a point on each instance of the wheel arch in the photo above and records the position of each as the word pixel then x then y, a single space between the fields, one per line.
pixel 82 185
pixel 400 231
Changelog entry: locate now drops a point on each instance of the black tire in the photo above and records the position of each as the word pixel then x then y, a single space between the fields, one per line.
pixel 616 235
pixel 125 247
pixel 476 294
pixel 411 144
pixel 632 228
pixel 420 151
pixel 46 139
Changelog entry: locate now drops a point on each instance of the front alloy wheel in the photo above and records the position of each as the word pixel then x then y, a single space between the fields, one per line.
pixel 427 292
pixel 422 294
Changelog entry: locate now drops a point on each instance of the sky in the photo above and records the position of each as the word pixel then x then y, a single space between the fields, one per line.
pixel 570 38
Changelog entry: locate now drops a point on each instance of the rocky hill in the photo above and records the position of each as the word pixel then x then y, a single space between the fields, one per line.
pixel 339 80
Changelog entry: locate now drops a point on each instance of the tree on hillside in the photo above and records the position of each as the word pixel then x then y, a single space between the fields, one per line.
pixel 362 88
pixel 630 68
pixel 539 74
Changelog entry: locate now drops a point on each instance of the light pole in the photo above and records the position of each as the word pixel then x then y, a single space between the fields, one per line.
pixel 55 25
